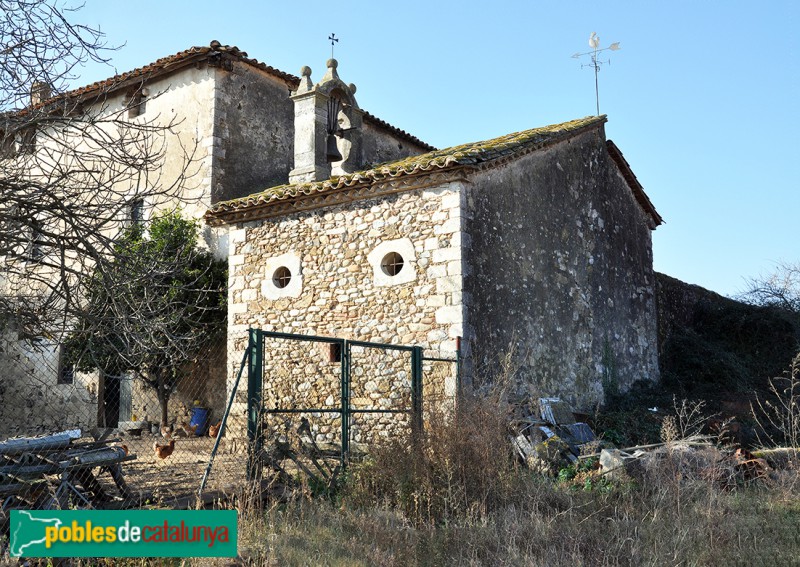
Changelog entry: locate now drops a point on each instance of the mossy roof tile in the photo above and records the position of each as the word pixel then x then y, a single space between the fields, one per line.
pixel 473 154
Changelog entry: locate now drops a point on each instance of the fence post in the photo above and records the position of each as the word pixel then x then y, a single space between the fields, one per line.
pixel 255 375
pixel 345 345
pixel 458 367
pixel 416 390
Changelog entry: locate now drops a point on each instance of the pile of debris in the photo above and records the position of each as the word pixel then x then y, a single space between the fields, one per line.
pixel 60 471
pixel 554 440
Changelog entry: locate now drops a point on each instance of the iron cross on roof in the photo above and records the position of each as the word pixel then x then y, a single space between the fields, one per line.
pixel 333 39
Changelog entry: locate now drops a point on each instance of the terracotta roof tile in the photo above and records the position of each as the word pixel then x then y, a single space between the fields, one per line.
pixel 397 131
pixel 473 154
pixel 169 64
pixel 181 59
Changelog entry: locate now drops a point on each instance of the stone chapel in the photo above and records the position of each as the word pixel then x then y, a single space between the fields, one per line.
pixel 537 242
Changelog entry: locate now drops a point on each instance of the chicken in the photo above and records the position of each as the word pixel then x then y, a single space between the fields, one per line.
pixel 190 430
pixel 213 430
pixel 164 451
pixel 166 430
pixel 124 448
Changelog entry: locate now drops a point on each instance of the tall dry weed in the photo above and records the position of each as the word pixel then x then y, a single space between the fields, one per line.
pixel 778 416
pixel 460 467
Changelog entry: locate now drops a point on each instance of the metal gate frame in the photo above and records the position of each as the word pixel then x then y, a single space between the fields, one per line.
pixel 255 379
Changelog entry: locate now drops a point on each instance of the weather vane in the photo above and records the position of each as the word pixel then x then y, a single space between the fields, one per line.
pixel 333 39
pixel 594 43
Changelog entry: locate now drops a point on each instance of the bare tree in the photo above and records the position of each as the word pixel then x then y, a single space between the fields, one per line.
pixel 73 164
pixel 779 289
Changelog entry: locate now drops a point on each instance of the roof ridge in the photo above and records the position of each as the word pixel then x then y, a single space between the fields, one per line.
pixel 164 64
pixel 474 154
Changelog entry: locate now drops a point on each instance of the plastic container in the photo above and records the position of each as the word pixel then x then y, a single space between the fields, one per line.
pixel 200 419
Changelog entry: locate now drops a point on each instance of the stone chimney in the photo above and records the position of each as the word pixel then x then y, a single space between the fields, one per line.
pixel 40 92
pixel 327 127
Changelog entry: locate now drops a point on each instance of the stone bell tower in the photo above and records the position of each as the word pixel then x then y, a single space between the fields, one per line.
pixel 327 127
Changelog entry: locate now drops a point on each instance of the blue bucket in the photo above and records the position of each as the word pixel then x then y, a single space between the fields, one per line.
pixel 200 419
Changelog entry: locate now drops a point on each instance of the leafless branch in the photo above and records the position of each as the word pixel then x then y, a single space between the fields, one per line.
pixel 71 166
pixel 779 289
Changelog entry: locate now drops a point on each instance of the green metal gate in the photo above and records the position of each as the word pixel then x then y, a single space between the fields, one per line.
pixel 257 357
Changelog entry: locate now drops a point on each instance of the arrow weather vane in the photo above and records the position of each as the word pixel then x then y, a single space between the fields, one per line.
pixel 333 39
pixel 594 43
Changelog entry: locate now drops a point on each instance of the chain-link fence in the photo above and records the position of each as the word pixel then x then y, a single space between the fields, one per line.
pixel 289 404
pixel 64 430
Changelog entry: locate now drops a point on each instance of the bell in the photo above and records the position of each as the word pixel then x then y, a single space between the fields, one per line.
pixel 332 152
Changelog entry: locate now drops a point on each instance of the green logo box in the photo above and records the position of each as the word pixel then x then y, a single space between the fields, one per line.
pixel 123 533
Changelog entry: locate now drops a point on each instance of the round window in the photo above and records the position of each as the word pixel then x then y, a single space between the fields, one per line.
pixel 282 277
pixel 392 263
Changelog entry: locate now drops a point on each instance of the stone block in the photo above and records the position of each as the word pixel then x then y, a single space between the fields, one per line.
pixel 451 200
pixel 449 284
pixel 449 226
pixel 449 314
pixel 435 193
pixel 454 268
pixel 437 271
pixel 436 336
pixel 618 465
pixel 238 308
pixel 446 254
pixel 237 235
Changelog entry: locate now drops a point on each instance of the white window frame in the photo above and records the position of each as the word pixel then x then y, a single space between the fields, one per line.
pixel 290 260
pixel 407 274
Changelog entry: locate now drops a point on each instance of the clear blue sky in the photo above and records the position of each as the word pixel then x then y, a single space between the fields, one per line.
pixel 702 98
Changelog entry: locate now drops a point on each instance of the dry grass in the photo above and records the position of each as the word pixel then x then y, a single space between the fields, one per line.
pixel 461 467
pixel 456 496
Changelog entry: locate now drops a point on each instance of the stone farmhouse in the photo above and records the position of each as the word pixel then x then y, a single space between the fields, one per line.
pixel 336 223
pixel 236 112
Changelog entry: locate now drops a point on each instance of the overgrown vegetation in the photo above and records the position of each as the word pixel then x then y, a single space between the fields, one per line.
pixel 712 349
pixel 462 467
pixel 779 289
pixel 778 414
pixel 457 496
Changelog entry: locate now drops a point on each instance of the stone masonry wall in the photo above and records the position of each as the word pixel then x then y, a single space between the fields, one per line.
pixel 338 289
pixel 253 132
pixel 381 146
pixel 560 271
pixel 31 400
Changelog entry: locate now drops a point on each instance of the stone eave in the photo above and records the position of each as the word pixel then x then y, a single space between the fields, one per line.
pixel 636 188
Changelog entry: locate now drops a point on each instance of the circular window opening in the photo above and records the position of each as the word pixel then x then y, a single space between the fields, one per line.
pixel 392 263
pixel 282 277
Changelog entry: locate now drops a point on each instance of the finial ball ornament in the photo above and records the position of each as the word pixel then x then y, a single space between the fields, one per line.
pixel 305 71
pixel 332 63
